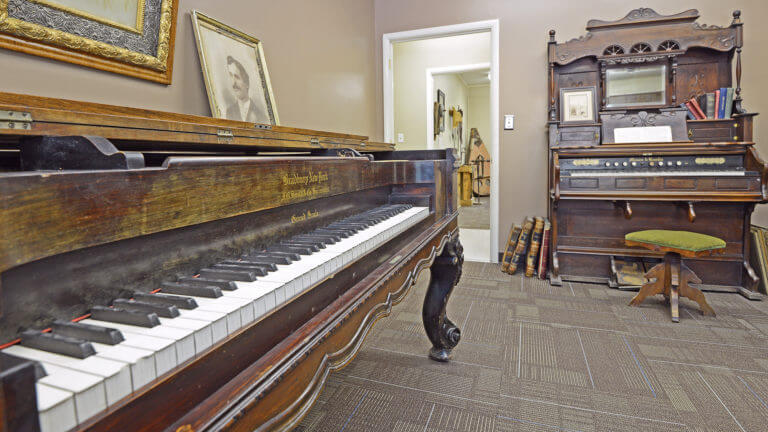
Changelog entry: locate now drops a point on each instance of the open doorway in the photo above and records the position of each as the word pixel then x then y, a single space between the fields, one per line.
pixel 463 93
pixel 456 67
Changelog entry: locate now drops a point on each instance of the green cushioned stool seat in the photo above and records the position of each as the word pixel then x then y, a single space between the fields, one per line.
pixel 684 240
pixel 671 277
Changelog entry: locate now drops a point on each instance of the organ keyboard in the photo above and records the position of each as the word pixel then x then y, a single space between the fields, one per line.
pixel 205 292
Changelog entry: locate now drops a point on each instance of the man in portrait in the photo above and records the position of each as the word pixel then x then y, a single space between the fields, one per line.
pixel 244 108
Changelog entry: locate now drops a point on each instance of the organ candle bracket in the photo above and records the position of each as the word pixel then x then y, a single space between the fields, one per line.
pixel 648 130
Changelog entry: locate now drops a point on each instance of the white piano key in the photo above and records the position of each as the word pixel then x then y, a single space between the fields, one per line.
pixel 201 330
pixel 260 291
pixel 216 320
pixel 164 350
pixel 183 339
pixel 116 375
pixel 243 308
pixel 55 408
pixel 142 362
pixel 88 390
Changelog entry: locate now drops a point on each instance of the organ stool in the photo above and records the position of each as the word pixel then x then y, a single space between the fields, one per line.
pixel 672 277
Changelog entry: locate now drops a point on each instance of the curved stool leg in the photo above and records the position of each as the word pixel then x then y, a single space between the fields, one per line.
pixel 687 276
pixel 655 285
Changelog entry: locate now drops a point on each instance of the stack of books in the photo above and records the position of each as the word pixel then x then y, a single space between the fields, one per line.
pixel 528 248
pixel 714 105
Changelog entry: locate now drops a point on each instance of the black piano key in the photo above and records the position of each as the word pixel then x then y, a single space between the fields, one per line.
pixel 275 258
pixel 191 289
pixel 313 246
pixel 342 233
pixel 290 249
pixel 180 302
pixel 326 238
pixel 13 368
pixel 350 231
pixel 256 269
pixel 123 316
pixel 162 310
pixel 224 285
pixel 266 264
pixel 224 274
pixel 64 345
pixel 352 225
pixel 91 333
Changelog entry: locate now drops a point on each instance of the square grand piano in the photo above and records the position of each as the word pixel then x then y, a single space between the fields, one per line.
pixel 169 272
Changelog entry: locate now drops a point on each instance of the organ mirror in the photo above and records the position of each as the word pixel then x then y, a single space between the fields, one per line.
pixel 636 86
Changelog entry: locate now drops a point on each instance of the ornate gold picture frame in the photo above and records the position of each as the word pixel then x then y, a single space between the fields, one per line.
pixel 129 37
pixel 235 72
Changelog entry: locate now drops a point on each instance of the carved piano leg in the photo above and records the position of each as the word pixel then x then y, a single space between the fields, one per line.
pixel 444 275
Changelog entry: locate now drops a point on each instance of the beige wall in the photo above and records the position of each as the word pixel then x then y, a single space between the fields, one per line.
pixel 320 57
pixel 410 62
pixel 479 112
pixel 325 63
pixel 456 95
pixel 523 84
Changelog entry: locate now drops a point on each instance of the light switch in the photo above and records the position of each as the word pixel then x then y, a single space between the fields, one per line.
pixel 401 137
pixel 509 122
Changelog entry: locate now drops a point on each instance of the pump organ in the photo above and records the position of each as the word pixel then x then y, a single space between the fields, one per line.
pixel 707 178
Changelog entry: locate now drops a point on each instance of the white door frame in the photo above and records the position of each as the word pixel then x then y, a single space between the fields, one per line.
pixel 431 72
pixel 389 99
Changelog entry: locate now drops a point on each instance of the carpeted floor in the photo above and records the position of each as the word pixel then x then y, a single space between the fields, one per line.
pixel 476 216
pixel 535 357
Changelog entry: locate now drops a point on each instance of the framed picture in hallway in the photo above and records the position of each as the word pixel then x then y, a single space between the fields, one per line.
pixel 440 113
pixel 235 72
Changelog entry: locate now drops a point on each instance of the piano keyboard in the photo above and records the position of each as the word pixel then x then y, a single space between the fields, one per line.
pixel 93 364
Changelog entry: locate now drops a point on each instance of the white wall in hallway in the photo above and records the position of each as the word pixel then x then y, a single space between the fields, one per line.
pixel 410 62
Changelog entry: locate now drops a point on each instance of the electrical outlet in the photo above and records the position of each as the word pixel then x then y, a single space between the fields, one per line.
pixel 509 122
pixel 401 138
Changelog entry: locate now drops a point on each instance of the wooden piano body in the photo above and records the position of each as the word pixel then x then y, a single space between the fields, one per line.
pixel 88 220
pixel 599 190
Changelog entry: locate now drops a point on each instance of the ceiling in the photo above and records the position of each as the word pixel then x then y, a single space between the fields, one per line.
pixel 478 77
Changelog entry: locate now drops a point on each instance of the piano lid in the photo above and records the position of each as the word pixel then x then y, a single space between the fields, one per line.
pixel 141 129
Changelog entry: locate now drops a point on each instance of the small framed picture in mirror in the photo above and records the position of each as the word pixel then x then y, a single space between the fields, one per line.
pixel 578 105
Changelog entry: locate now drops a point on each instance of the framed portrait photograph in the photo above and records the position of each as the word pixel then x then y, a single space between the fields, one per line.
pixel 235 72
pixel 578 105
pixel 129 37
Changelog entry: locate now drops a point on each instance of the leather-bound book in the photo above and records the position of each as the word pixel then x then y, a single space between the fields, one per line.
pixel 710 106
pixel 697 109
pixel 509 248
pixel 728 111
pixel 544 250
pixel 533 251
pixel 522 246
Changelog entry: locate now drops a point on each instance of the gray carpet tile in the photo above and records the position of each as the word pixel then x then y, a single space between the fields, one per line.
pixel 537 357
